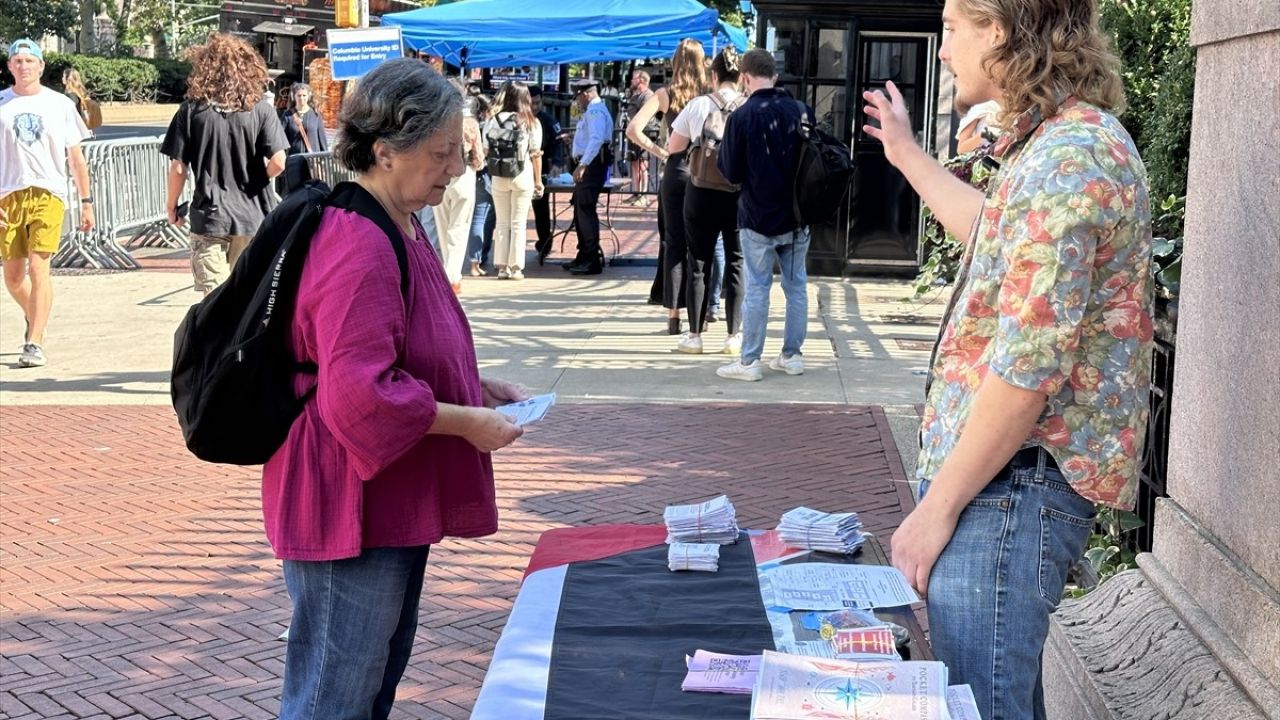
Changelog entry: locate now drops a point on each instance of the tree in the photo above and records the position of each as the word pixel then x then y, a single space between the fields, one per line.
pixel 36 18
pixel 730 10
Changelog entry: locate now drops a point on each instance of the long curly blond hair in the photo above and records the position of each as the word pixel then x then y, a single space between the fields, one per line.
pixel 226 72
pixel 1052 49
pixel 688 74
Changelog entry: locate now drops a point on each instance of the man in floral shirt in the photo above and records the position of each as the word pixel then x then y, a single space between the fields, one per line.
pixel 1037 401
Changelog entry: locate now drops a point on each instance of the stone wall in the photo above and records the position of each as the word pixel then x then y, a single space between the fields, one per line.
pixel 1195 633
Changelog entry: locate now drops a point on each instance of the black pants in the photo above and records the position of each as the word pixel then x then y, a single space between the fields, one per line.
pixel 707 214
pixel 675 176
pixel 586 216
pixel 542 218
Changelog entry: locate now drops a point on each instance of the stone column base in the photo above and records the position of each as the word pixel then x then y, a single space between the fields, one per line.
pixel 1132 649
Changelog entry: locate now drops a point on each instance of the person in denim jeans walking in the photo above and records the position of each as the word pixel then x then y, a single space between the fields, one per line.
pixel 1037 400
pixel 759 151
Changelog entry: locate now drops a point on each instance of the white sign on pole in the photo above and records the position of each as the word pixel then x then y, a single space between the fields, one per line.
pixel 354 52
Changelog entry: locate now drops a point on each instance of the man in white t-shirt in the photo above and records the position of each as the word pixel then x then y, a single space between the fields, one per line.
pixel 40 133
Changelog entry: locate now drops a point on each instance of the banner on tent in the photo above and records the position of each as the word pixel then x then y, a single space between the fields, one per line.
pixel 352 53
pixel 527 74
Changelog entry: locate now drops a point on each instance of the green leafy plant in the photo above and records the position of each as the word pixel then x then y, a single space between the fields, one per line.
pixel 1167 251
pixel 942 250
pixel 1108 551
pixel 1153 39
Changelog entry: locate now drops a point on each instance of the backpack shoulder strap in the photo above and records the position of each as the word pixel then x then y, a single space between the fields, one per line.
pixel 715 98
pixel 351 196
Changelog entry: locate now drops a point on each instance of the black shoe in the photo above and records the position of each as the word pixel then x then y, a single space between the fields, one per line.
pixel 544 249
pixel 586 269
pixel 574 264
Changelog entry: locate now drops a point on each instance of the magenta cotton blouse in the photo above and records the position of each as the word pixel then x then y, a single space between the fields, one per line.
pixel 358 469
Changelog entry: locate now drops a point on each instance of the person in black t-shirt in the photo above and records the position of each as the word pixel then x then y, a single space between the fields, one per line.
pixel 230 140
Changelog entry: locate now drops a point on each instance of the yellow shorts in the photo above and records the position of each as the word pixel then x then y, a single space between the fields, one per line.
pixel 34 224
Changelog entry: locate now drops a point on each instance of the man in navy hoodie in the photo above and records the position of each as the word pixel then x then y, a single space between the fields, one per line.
pixel 759 152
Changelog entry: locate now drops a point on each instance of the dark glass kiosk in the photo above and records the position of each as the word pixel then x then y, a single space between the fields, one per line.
pixel 828 52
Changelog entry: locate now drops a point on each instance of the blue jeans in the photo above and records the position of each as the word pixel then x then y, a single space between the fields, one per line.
pixel 351 633
pixel 996 583
pixel 758 255
pixel 717 274
pixel 480 244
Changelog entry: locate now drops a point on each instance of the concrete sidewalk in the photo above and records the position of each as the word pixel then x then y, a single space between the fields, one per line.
pixel 586 339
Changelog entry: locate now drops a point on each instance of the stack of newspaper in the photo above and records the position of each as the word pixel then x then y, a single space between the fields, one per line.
pixel 693 556
pixel 815 530
pixel 713 521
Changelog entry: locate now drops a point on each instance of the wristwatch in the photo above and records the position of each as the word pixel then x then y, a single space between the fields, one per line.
pixel 86 200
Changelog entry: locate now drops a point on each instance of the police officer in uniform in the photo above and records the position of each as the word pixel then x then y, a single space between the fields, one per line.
pixel 592 151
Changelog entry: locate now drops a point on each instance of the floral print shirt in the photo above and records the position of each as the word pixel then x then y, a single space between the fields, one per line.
pixel 1055 295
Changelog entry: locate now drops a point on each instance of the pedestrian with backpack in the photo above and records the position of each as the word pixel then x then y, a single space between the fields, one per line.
pixel 513 137
pixel 710 204
pixel 391 451
pixel 760 151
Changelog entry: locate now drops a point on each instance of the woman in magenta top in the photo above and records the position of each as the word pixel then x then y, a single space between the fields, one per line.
pixel 391 452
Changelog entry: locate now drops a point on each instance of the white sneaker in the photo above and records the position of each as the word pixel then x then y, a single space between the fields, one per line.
pixel 32 356
pixel 689 343
pixel 738 371
pixel 793 365
pixel 733 344
pixel 503 274
pixel 516 274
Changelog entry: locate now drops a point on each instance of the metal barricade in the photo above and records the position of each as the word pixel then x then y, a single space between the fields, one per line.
pixel 324 167
pixel 128 180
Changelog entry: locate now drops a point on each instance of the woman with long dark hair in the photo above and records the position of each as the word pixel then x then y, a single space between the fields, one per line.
pixel 688 80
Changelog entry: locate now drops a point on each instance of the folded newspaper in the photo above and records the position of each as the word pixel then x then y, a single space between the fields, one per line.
pixel 713 521
pixel 693 556
pixel 791 687
pixel 816 530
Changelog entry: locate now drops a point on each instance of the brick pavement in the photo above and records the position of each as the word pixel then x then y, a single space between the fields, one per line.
pixel 136 582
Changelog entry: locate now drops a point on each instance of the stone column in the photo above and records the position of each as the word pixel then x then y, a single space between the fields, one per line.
pixel 1195 632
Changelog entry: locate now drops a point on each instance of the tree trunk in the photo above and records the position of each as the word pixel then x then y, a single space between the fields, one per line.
pixel 87 40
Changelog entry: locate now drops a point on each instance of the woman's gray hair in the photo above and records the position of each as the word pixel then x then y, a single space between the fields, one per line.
pixel 402 103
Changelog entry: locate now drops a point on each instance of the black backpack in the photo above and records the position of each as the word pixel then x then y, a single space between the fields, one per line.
pixel 233 373
pixel 504 138
pixel 824 172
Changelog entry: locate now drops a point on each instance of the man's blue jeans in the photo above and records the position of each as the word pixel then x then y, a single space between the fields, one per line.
pixel 997 581
pixel 758 255
pixel 351 633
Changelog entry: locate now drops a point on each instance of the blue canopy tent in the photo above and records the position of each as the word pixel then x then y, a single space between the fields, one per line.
pixel 504 33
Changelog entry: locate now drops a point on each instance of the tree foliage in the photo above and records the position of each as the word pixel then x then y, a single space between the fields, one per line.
pixel 1153 39
pixel 36 18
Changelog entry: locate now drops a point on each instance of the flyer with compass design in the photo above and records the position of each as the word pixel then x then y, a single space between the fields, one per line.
pixel 792 687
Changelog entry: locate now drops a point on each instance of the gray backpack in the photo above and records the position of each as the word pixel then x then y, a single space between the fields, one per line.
pixel 704 150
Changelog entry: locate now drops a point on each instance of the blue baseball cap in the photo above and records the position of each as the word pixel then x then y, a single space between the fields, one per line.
pixel 28 46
